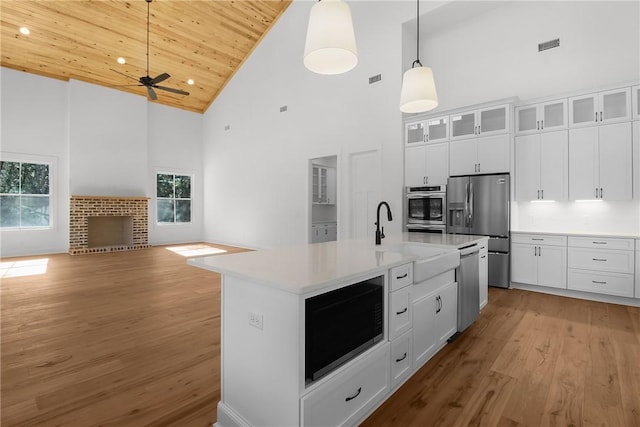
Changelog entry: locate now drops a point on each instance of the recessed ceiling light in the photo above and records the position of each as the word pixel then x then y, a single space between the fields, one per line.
pixel 25 31
pixel 190 81
pixel 121 60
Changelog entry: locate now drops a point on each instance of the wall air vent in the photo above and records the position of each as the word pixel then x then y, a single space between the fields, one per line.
pixel 548 45
pixel 227 127
pixel 283 108
pixel 374 79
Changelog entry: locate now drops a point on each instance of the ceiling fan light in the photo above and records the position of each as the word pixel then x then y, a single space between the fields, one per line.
pixel 121 60
pixel 25 31
pixel 418 92
pixel 330 46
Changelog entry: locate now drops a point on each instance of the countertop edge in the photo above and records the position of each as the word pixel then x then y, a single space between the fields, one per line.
pixel 577 234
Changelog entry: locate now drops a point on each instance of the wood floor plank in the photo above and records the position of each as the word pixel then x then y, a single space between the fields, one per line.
pixel 133 338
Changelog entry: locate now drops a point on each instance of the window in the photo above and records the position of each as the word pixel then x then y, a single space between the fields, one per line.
pixel 24 195
pixel 173 193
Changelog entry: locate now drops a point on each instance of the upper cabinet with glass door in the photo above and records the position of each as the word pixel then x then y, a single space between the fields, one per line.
pixel 542 117
pixel 602 107
pixel 482 122
pixel 635 95
pixel 431 130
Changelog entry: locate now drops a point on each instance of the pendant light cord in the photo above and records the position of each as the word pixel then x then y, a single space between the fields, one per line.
pixel 417 61
pixel 148 3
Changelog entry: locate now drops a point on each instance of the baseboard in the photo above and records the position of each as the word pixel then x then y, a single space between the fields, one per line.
pixel 611 299
pixel 227 417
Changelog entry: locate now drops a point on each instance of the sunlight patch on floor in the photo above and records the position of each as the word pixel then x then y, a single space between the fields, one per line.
pixel 29 267
pixel 196 250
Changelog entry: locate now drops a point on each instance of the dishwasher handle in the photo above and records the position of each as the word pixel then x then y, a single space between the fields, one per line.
pixel 469 250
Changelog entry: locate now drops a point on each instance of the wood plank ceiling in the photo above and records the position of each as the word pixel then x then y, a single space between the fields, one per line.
pixel 206 41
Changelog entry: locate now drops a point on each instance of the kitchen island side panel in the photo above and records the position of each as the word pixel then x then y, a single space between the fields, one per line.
pixel 259 380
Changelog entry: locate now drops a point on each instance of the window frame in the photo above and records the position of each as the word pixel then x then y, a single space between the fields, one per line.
pixel 174 173
pixel 42 160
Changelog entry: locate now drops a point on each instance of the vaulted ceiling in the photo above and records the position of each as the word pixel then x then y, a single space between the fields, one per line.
pixel 202 40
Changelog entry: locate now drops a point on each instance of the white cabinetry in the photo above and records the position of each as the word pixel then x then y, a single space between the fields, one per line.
pixel 432 130
pixel 324 232
pixel 480 141
pixel 601 265
pixel 602 107
pixel 539 260
pixel 426 164
pixel 483 273
pixel 541 166
pixel 435 308
pixel 345 399
pixel 543 117
pixel 637 292
pixel 600 162
pixel 400 322
pixel 323 184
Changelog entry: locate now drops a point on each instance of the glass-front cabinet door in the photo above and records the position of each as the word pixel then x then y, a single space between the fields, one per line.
pixel 438 129
pixel 527 119
pixel 415 133
pixel 553 115
pixel 493 120
pixel 635 94
pixel 603 107
pixel 463 125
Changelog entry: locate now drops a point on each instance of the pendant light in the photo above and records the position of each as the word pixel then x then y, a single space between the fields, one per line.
pixel 418 92
pixel 330 47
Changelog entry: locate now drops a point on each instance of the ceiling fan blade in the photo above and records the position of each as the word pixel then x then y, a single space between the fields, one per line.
pixel 162 77
pixel 126 85
pixel 126 75
pixel 152 93
pixel 170 89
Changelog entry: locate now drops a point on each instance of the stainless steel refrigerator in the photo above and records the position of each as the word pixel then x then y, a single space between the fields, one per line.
pixel 479 204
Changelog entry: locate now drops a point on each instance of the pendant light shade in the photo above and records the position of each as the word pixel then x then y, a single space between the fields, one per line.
pixel 330 47
pixel 418 91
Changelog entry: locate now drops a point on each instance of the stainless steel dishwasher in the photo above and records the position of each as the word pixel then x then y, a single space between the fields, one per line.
pixel 467 275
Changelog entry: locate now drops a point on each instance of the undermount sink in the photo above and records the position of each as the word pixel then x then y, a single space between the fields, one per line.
pixel 430 261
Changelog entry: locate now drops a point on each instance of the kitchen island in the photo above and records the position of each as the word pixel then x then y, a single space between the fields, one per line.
pixel 263 327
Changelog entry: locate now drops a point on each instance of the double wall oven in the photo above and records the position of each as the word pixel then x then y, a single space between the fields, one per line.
pixel 425 209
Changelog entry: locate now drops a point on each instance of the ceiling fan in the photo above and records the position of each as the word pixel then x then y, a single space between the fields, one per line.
pixel 147 81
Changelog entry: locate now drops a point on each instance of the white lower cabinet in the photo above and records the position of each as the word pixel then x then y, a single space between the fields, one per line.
pixel 435 318
pixel 400 359
pixel 345 399
pixel 483 267
pixel 324 232
pixel 539 260
pixel 399 312
pixel 637 292
pixel 602 265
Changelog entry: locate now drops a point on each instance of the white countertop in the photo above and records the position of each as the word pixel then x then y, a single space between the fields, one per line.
pixel 307 268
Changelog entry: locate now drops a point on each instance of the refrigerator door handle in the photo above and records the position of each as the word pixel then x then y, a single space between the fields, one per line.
pixel 471 205
pixel 466 205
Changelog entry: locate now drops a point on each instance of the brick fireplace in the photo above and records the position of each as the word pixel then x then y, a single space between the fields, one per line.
pixel 107 224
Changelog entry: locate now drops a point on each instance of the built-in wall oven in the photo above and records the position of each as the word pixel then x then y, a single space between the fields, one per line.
pixel 425 209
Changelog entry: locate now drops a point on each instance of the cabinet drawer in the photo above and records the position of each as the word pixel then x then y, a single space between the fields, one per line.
pixel 347 397
pixel 400 312
pixel 400 359
pixel 601 243
pixel 601 283
pixel 599 260
pixel 539 239
pixel 401 276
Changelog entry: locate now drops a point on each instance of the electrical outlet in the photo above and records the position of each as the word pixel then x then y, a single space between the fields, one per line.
pixel 255 320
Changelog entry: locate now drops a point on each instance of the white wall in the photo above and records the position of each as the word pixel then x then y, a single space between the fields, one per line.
pixel 104 142
pixel 34 122
pixel 175 146
pixel 256 173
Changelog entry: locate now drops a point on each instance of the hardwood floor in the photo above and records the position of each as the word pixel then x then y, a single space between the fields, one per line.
pixel 133 339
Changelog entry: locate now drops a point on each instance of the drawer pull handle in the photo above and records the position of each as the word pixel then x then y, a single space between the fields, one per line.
pixel 403 276
pixel 599 259
pixel 354 396
pixel 599 243
pixel 541 240
pixel 402 311
pixel 600 283
pixel 404 356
